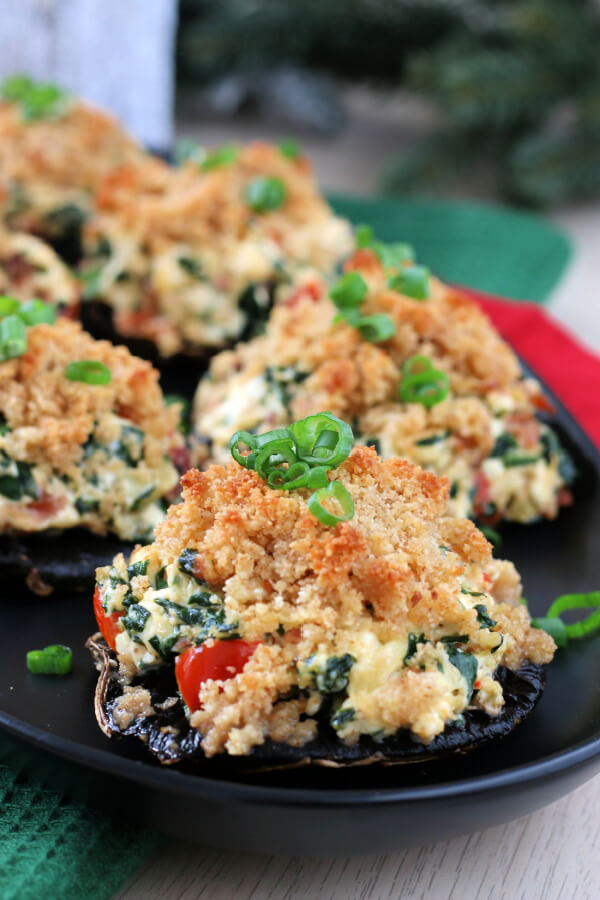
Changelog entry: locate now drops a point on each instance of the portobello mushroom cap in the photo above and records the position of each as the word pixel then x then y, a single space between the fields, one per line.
pixel 169 737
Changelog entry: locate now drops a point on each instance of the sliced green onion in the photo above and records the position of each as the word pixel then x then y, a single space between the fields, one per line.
pixel 393 256
pixel 351 316
pixel 15 87
pixel 336 491
pixel 245 439
pixel 8 306
pixel 54 660
pixel 89 371
pixel 578 601
pixel 296 476
pixel 415 365
pixel 317 478
pixel 34 312
pixel 376 328
pixel 322 440
pixel 265 193
pixel 13 338
pixel 349 290
pixel 43 101
pixel 364 236
pixel 563 632
pixel 412 282
pixel 290 148
pixel 273 455
pixel 427 388
pixel 224 156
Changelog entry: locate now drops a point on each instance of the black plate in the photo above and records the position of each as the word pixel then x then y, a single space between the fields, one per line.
pixel 326 811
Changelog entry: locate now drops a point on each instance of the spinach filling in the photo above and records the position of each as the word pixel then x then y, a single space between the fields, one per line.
pixel 281 379
pixel 332 677
pixel 16 479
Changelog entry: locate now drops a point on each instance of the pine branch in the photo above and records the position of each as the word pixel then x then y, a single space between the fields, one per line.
pixel 547 170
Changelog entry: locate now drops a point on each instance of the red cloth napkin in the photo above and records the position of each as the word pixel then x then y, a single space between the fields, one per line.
pixel 571 371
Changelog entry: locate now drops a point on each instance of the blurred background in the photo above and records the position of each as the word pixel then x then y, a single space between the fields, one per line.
pixel 487 101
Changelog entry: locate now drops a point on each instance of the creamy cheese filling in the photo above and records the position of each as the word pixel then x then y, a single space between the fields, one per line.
pixel 164 609
pixel 523 482
pixel 112 488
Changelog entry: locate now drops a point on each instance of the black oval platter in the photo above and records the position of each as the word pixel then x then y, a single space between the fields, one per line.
pixel 50 727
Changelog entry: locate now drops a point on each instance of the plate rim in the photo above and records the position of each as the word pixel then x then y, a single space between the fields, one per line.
pixel 203 786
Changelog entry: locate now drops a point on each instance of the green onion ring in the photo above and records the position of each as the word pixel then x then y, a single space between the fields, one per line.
pixel 54 660
pixel 376 328
pixel 415 365
pixel 35 311
pixel 578 601
pixel 243 437
pixel 8 306
pixel 289 479
pixel 427 388
pixel 13 338
pixel 337 491
pixel 273 454
pixel 88 371
pixel 318 450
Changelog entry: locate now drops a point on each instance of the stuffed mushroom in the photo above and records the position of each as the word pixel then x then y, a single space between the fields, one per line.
pixel 351 623
pixel 187 258
pixel 86 440
pixel 54 151
pixel 415 366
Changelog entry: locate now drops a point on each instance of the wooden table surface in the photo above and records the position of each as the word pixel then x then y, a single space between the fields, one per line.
pixel 553 854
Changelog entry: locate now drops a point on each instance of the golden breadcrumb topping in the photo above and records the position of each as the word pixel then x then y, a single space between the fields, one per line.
pixel 307 361
pixel 50 417
pixel 165 205
pixel 73 150
pixel 306 592
pixel 174 251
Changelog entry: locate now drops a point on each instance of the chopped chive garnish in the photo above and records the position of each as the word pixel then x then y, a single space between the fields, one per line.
pixel 290 148
pixel 349 291
pixel 412 281
pixel 563 632
pixel 335 490
pixel 38 100
pixel 224 156
pixel 13 337
pixel 300 456
pixel 422 383
pixel 265 193
pixel 376 328
pixel 8 306
pixel 34 312
pixel 54 660
pixel 89 371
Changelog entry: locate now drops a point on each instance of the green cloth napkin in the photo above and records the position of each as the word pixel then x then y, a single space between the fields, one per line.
pixel 496 250
pixel 54 846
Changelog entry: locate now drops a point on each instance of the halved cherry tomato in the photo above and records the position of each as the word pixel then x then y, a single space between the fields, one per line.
pixel 220 661
pixel 107 624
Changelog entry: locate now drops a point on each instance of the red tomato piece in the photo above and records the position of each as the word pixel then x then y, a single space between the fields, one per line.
pixel 107 624
pixel 220 661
